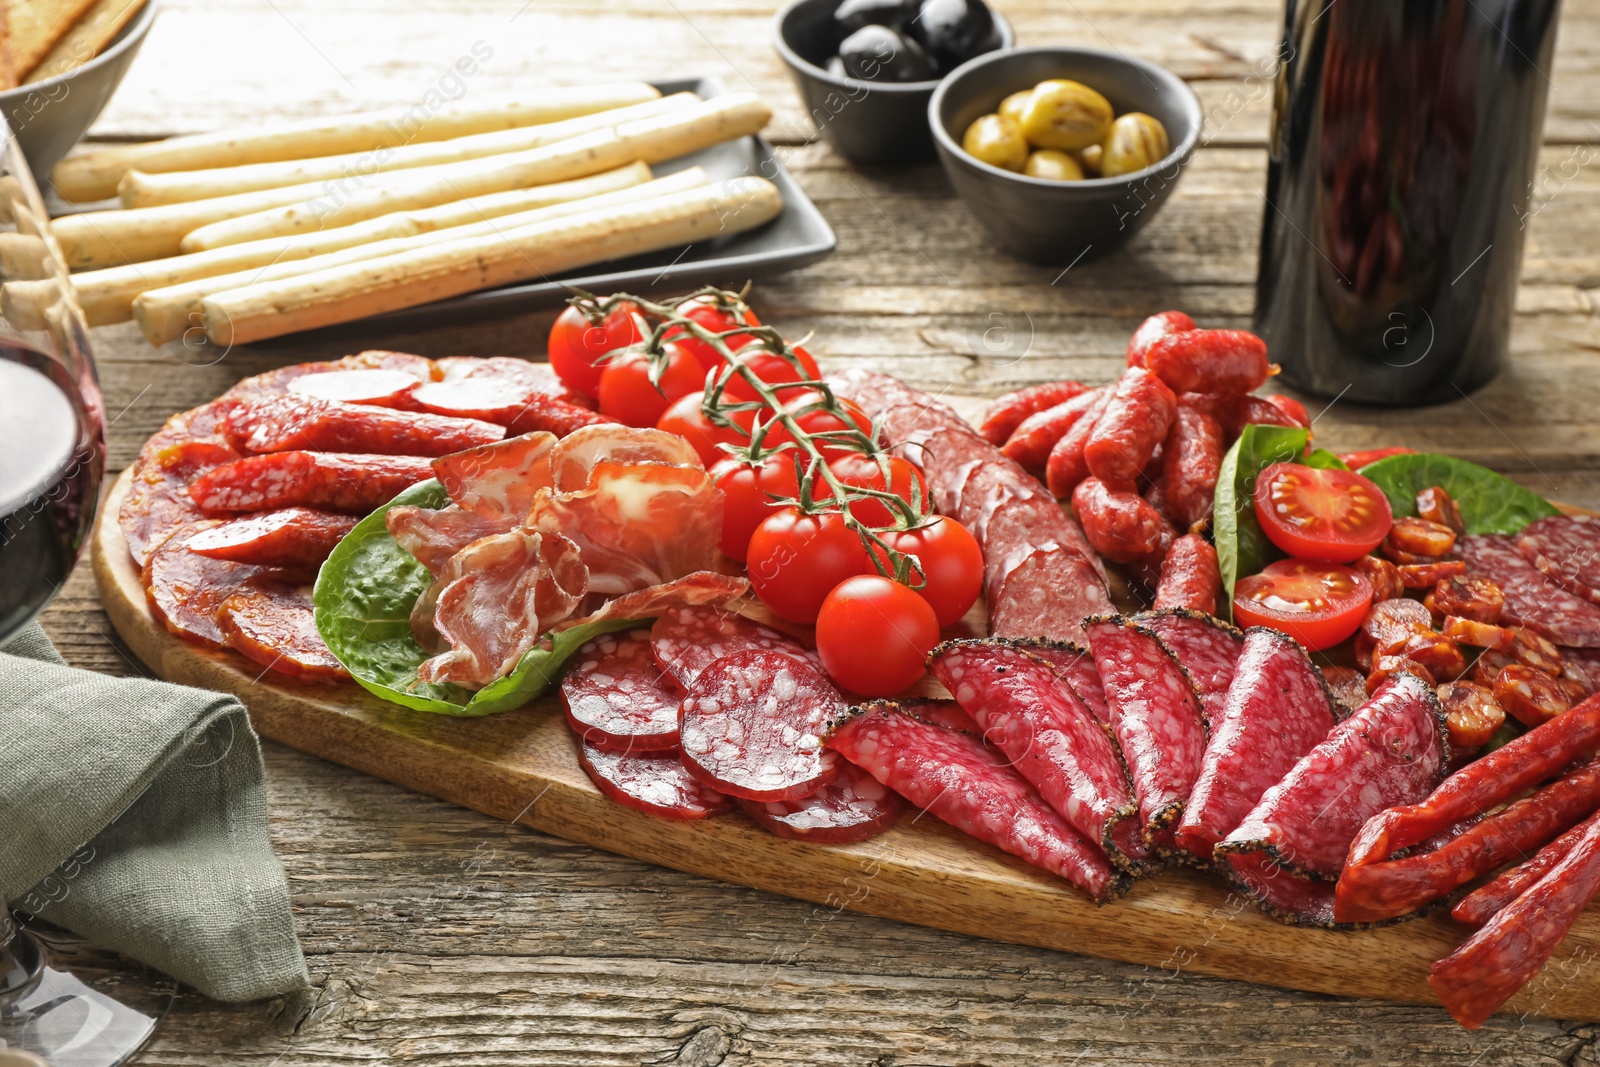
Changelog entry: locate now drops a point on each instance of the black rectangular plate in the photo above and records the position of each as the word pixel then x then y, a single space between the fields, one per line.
pixel 798 237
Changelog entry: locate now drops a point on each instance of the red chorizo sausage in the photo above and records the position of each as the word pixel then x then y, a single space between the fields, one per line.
pixel 1008 411
pixel 1192 460
pixel 1210 361
pixel 1190 576
pixel 1154 329
pixel 1120 525
pixel 1133 424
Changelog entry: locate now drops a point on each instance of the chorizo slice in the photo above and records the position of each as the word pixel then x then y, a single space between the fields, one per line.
pixel 337 481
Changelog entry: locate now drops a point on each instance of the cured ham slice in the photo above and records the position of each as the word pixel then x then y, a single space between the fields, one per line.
pixel 581 452
pixel 692 590
pixel 433 535
pixel 500 480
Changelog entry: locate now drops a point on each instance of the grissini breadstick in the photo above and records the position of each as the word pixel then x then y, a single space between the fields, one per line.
pixel 165 314
pixel 652 140
pixel 106 295
pixel 138 189
pixel 407 279
pixel 94 175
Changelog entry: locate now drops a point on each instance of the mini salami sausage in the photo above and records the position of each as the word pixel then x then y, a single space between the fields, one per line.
pixel 1119 525
pixel 1033 439
pixel 1234 413
pixel 652 782
pixel 1356 460
pixel 617 699
pixel 1190 576
pixel 1191 459
pixel 1477 634
pixel 1530 597
pixel 1153 329
pixel 1384 576
pixel 853 807
pixel 1420 537
pixel 961 782
pixel 274 624
pixel 1210 361
pixel 1065 467
pixel 1468 596
pixel 1481 905
pixel 1392 623
pixel 1134 422
pixel 1566 549
pixel 337 481
pixel 752 723
pixel 290 423
pixel 1471 714
pixel 1436 505
pixel 1529 695
pixel 1007 412
pixel 292 537
pixel 687 640
pixel 1431 573
pixel 1206 647
pixel 1290 407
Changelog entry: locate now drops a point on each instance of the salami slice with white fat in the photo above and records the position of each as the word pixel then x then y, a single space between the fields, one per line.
pixel 1566 549
pixel 1531 598
pixel 1074 663
pixel 1155 714
pixel 687 640
pixel 1276 710
pixel 946 713
pixel 952 775
pixel 751 726
pixel 1047 592
pixel 1207 647
pixel 853 807
pixel 652 782
pixel 1029 713
pixel 618 699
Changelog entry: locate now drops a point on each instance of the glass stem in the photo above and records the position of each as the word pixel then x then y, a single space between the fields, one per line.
pixel 20 959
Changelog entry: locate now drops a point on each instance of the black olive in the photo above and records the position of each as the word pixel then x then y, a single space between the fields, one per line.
pixel 877 53
pixel 852 15
pixel 953 31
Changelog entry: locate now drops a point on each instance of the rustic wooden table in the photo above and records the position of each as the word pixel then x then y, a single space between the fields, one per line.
pixel 438 935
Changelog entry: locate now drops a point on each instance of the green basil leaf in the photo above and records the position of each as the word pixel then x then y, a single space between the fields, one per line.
pixel 1324 460
pixel 1489 502
pixel 1242 547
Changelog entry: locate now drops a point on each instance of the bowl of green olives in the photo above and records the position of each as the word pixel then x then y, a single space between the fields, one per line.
pixel 1063 153
pixel 866 69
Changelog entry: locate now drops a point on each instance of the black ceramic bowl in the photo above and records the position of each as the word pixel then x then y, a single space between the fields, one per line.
pixel 1062 222
pixel 865 122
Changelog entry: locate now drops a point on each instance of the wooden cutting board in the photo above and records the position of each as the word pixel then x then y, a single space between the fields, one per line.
pixel 522 766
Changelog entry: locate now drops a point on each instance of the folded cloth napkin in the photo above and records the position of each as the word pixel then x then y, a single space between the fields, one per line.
pixel 135 814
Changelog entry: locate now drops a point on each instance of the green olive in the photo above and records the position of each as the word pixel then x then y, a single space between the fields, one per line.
pixel 1054 165
pixel 1136 141
pixel 997 141
pixel 1090 158
pixel 1066 114
pixel 1014 105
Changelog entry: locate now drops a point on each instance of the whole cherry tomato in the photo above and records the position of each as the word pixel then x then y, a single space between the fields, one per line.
pixel 627 394
pixel 949 561
pixel 874 635
pixel 708 313
pixel 687 419
pixel 796 560
pixel 772 369
pixel 813 419
pixel 865 472
pixel 747 495
pixel 576 344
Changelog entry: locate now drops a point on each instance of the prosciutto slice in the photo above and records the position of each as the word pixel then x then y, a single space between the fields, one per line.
pixel 433 535
pixel 500 480
pixel 580 453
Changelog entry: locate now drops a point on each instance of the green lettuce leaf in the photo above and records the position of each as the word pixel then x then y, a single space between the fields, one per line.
pixel 1242 547
pixel 1489 502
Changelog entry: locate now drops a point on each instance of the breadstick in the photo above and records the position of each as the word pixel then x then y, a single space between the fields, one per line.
pixel 84 41
pixel 652 140
pixel 407 279
pixel 138 189
pixel 106 295
pixel 94 174
pixel 165 314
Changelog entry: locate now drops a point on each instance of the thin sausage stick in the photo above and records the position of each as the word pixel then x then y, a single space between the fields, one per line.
pixel 408 279
pixel 165 314
pixel 94 175
pixel 138 189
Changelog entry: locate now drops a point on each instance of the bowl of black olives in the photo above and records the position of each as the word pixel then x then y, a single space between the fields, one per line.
pixel 1063 153
pixel 867 68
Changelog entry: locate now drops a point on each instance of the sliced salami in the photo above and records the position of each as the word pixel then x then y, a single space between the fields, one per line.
pixel 877 393
pixel 345 387
pixel 1155 714
pixel 616 697
pixel 1051 738
pixel 948 456
pixel 186 589
pixel 1531 598
pixel 1047 592
pixel 752 723
pixel 337 481
pixel 274 624
pixel 158 501
pixel 1207 647
pixel 946 713
pixel 375 388
pixel 291 537
pixel 853 807
pixel 1276 710
pixel 1286 895
pixel 290 422
pixel 1566 549
pixel 955 777
pixel 687 640
pixel 1075 664
pixel 652 782
pixel 1348 688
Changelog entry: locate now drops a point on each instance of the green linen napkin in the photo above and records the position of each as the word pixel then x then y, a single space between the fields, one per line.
pixel 134 813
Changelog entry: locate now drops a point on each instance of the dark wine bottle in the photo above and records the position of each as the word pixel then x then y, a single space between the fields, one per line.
pixel 1404 139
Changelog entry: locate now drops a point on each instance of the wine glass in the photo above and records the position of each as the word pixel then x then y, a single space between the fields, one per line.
pixel 52 456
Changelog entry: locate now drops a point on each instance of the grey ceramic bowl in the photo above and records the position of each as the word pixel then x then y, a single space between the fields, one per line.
pixel 873 123
pixel 1062 222
pixel 50 116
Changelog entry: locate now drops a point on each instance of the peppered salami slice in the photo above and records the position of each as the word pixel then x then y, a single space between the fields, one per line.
pixel 687 640
pixel 946 713
pixel 853 807
pixel 1276 710
pixel 1566 549
pixel 1207 647
pixel 651 782
pixel 1051 737
pixel 1531 598
pixel 1155 714
pixel 751 726
pixel 955 777
pixel 1074 663
pixel 1391 752
pixel 617 698
pixel 1286 895
pixel 274 624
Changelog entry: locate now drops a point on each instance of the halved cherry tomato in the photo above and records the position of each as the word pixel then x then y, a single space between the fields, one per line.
pixel 747 492
pixel 811 418
pixel 1318 604
pixel 865 472
pixel 796 560
pixel 874 635
pixel 576 344
pixel 687 419
pixel 627 394
pixel 708 313
pixel 772 369
pixel 1330 515
pixel 951 564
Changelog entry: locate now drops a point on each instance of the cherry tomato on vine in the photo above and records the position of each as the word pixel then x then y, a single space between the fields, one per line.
pixel 874 635
pixel 795 560
pixel 627 394
pixel 949 561
pixel 772 369
pixel 864 472
pixel 687 419
pixel 1318 604
pixel 1331 515
pixel 747 492
pixel 820 420
pixel 708 313
pixel 576 344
